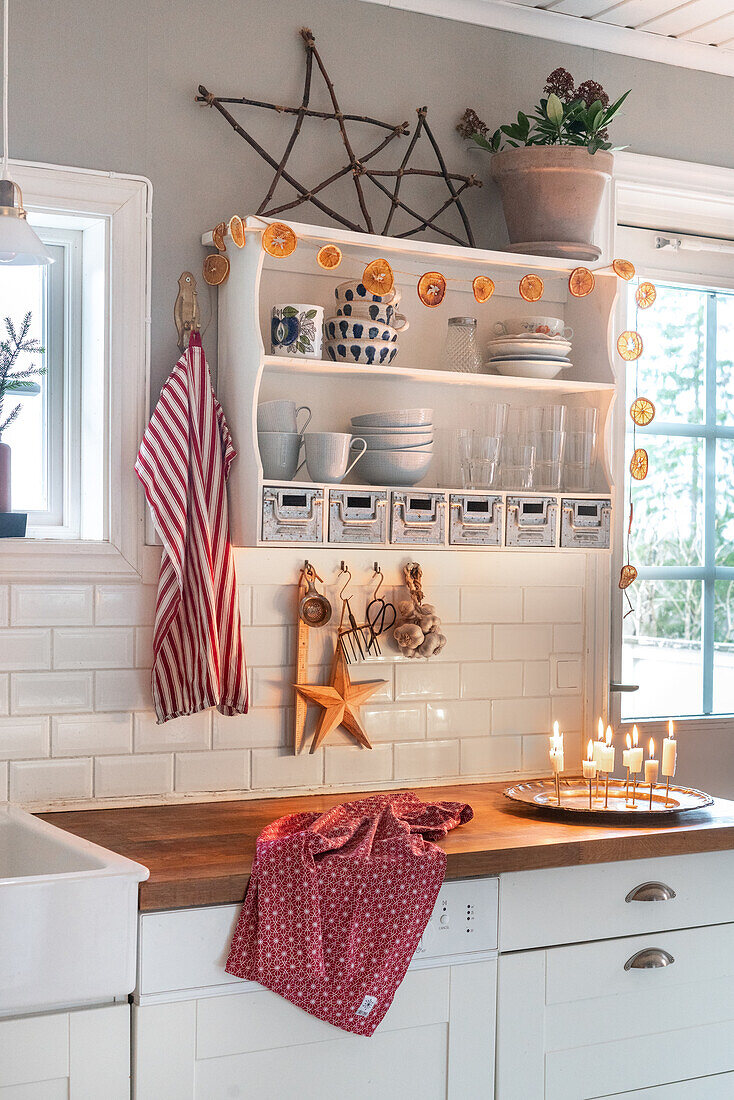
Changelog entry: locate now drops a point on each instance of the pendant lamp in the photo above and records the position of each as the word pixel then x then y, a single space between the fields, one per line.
pixel 19 245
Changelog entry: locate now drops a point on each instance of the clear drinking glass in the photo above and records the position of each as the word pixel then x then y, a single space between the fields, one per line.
pixel 485 455
pixel 462 351
pixel 549 449
pixel 491 418
pixel 578 460
pixel 518 465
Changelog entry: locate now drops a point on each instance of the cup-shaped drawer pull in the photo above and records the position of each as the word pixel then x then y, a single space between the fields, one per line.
pixel 650 958
pixel 651 891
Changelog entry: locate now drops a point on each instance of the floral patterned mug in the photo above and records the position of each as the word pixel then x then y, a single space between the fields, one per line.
pixel 297 329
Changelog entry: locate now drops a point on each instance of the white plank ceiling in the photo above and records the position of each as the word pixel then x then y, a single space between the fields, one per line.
pixel 710 22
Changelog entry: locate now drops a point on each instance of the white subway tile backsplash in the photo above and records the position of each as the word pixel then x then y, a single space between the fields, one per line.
pixel 244 593
pixel 458 718
pixel 518 716
pixel 21 738
pixel 536 678
pixel 51 605
pixel 25 650
pixel 143 646
pixel 467 642
pixel 424 679
pixel 445 598
pixel 261 727
pixel 552 605
pixel 568 639
pixel 523 641
pixel 91 734
pixel 393 722
pixel 274 768
pixel 491 755
pixel 343 764
pixel 427 760
pixel 49 780
pixel 226 770
pixel 118 776
pixel 491 604
pixel 126 689
pixel 535 753
pixel 192 731
pixel 124 604
pixel 3 781
pixel 274 604
pixel 4 609
pixel 267 646
pixel 568 711
pixel 93 647
pixel 4 693
pixel 273 687
pixel 50 692
pixel 491 679
pixel 567 675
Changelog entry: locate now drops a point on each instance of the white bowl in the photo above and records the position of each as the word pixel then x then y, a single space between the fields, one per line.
pixel 367 353
pixel 400 435
pixel 375 443
pixel 346 329
pixel 398 418
pixel 394 467
pixel 508 347
pixel 528 368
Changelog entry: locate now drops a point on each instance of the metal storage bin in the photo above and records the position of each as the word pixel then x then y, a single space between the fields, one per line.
pixel 475 520
pixel 586 523
pixel 531 521
pixel 358 515
pixel 418 518
pixel 292 514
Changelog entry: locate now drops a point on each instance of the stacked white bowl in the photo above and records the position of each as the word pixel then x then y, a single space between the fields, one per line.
pixel 365 326
pixel 399 446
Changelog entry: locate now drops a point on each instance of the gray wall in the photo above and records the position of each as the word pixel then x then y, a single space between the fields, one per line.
pixel 110 84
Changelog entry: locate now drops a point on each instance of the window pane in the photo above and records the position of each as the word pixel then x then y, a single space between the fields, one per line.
pixel 671 369
pixel 724 647
pixel 725 359
pixel 668 504
pixel 662 649
pixel 725 502
pixel 23 289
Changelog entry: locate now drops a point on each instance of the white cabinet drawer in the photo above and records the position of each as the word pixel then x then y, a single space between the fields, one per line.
pixel 591 1028
pixel 572 904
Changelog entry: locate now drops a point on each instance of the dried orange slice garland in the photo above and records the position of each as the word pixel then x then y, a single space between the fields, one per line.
pixel 531 288
pixel 624 269
pixel 218 236
pixel 581 282
pixel 639 464
pixel 627 576
pixel 378 278
pixel 279 240
pixel 329 257
pixel 237 230
pixel 483 288
pixel 642 411
pixel 432 288
pixel 629 345
pixel 216 269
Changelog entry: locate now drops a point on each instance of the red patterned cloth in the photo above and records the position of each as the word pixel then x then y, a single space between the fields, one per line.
pixel 338 901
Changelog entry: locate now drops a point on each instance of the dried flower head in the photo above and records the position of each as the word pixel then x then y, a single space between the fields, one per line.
pixel 470 123
pixel 590 91
pixel 560 83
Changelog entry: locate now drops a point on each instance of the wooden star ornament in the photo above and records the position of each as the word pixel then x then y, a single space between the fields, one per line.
pixel 341 700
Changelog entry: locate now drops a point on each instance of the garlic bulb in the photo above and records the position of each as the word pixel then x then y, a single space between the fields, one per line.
pixel 418 631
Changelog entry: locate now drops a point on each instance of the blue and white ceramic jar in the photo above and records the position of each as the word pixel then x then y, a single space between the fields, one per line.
pixel 297 329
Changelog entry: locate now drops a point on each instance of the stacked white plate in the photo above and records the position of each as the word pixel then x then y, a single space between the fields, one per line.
pixel 399 446
pixel 529 355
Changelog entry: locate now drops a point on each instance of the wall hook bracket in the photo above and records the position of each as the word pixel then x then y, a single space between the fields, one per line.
pixel 186 309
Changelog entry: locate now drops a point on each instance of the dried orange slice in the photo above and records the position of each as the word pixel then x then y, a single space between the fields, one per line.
pixel 629 345
pixel 378 278
pixel 645 295
pixel 642 411
pixel 639 464
pixel 627 576
pixel 237 230
pixel 431 288
pixel 218 237
pixel 279 240
pixel 581 282
pixel 330 256
pixel 624 269
pixel 531 288
pixel 483 288
pixel 216 269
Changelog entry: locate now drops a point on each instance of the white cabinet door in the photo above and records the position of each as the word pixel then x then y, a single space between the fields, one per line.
pixel 79 1055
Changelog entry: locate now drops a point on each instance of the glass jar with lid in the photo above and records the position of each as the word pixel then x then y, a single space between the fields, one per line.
pixel 462 351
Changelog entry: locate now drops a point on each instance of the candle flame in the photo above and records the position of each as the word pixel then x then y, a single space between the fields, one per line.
pixel 652 748
pixel 629 742
pixel 590 751
pixel 634 736
pixel 555 729
pixel 601 730
pixel 609 736
pixel 671 733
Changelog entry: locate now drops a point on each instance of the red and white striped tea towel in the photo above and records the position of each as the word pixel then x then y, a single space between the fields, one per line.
pixel 338 901
pixel 183 463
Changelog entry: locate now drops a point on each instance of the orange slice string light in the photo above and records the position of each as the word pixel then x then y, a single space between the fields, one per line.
pixel 531 288
pixel 627 575
pixel 581 282
pixel 431 288
pixel 215 269
pixel 279 240
pixel 639 464
pixel 329 257
pixel 642 411
pixel 629 345
pixel 624 269
pixel 483 288
pixel 218 237
pixel 378 277
pixel 237 230
pixel 645 295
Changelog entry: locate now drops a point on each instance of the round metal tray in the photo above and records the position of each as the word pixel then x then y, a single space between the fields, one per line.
pixel 541 793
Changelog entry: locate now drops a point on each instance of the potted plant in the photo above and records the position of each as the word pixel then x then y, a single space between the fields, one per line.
pixel 14 382
pixel 552 166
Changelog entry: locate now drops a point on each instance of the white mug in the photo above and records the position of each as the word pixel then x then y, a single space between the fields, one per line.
pixel 297 329
pixel 281 416
pixel 279 453
pixel 327 455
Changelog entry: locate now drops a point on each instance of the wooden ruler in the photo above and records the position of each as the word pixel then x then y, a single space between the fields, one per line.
pixel 301 668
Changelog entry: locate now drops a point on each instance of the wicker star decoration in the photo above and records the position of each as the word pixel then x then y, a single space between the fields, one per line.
pixel 341 700
pixel 358 167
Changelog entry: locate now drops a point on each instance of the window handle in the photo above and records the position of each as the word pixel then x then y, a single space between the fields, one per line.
pixel 615 686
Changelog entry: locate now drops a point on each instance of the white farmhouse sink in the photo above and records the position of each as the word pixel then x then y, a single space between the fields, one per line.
pixel 68 917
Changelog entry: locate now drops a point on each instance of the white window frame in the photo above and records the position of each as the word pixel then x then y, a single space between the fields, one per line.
pixel 118 208
pixel 674 197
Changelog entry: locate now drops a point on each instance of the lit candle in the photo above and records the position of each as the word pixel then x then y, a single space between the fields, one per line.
pixel 670 753
pixel 635 754
pixel 627 754
pixel 589 766
pixel 599 744
pixel 651 769
pixel 556 749
pixel 607 753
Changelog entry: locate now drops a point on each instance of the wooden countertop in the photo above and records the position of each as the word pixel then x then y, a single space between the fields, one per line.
pixel 201 853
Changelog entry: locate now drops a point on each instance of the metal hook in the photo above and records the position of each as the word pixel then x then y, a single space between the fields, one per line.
pixel 347 582
pixel 378 573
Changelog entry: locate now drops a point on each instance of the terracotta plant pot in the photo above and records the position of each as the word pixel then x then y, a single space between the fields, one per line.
pixel 4 477
pixel 551 197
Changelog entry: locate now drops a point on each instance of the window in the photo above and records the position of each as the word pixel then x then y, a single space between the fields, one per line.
pixel 678 638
